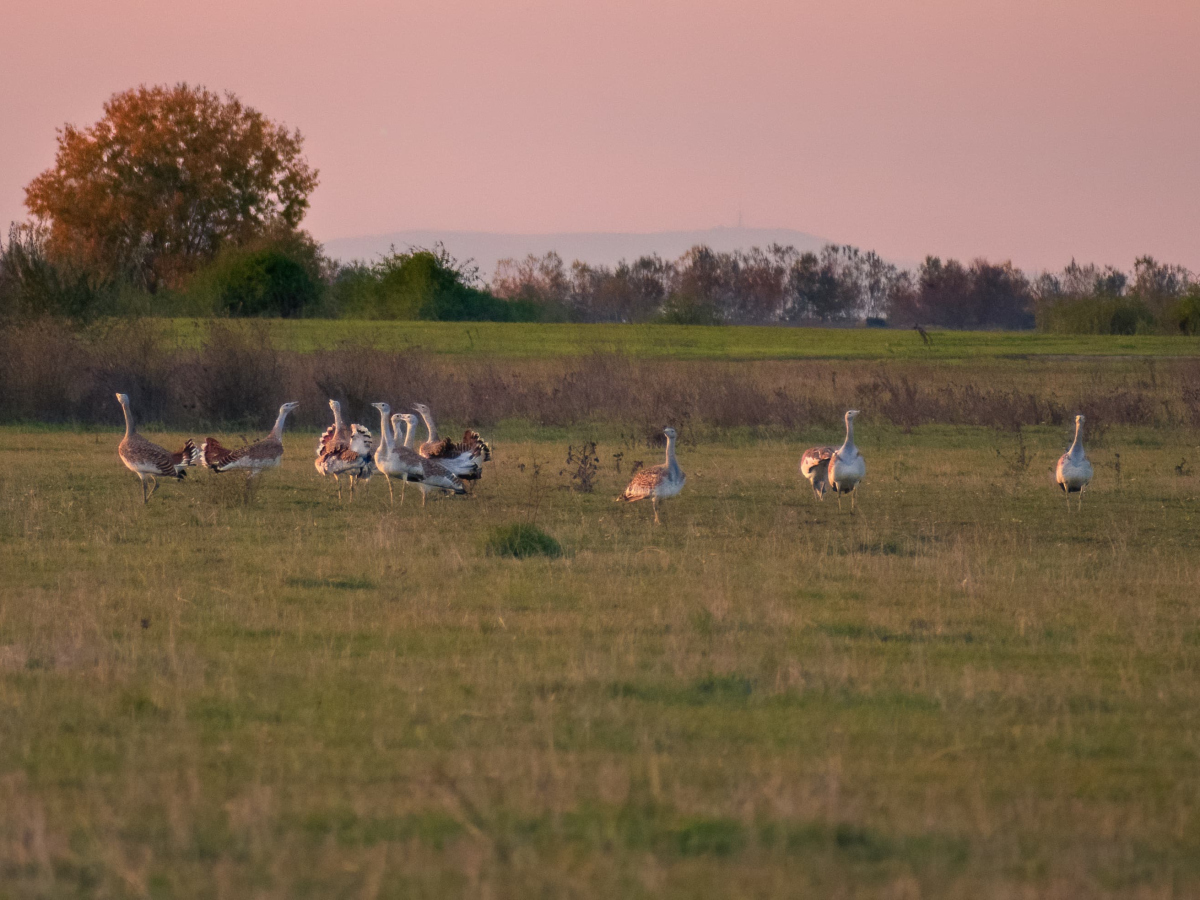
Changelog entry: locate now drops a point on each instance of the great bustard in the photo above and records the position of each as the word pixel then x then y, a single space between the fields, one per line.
pixel 1073 472
pixel 345 451
pixel 429 474
pixel 846 465
pixel 465 458
pixel 657 482
pixel 252 458
pixel 392 458
pixel 814 465
pixel 145 459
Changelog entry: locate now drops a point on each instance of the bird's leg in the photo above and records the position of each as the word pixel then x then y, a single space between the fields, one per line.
pixel 391 495
pixel 352 481
pixel 424 497
pixel 338 481
pixel 155 488
pixel 145 496
pixel 839 493
pixel 403 485
pixel 654 504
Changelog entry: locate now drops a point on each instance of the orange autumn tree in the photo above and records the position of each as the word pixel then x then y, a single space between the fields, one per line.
pixel 165 179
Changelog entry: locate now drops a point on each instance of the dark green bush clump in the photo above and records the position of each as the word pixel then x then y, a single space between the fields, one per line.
pixel 264 282
pixel 521 541
pixel 1097 315
pixel 422 284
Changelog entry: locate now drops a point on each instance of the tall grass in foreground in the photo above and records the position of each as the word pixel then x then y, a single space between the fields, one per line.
pixel 961 691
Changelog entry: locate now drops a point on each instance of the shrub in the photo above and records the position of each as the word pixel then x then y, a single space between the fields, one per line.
pixel 236 376
pixel 521 541
pixel 32 284
pixel 263 282
pixel 1185 314
pixel 423 284
pixel 1097 314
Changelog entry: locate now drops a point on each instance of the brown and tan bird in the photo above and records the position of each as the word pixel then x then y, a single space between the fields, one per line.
pixel 657 482
pixel 840 468
pixel 814 465
pixel 429 474
pixel 146 459
pixel 345 450
pixel 464 458
pixel 252 458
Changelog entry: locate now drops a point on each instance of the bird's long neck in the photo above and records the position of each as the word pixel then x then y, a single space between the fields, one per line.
pixel 1077 444
pixel 339 426
pixel 129 429
pixel 409 434
pixel 848 448
pixel 277 431
pixel 672 463
pixel 385 426
pixel 431 425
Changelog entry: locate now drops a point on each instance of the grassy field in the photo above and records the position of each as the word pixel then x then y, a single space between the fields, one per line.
pixel 690 342
pixel 961 691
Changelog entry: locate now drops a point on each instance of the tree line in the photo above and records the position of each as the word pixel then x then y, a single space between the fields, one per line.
pixel 179 201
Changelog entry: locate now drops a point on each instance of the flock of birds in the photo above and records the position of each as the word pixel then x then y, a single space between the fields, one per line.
pixel 443 465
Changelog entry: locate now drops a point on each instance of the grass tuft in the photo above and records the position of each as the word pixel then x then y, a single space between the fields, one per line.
pixel 522 541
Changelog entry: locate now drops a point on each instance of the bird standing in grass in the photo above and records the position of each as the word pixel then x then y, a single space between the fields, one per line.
pixel 252 458
pixel 465 458
pixel 395 460
pixel 345 451
pixel 429 474
pixel 846 465
pixel 657 482
pixel 814 465
pixel 383 453
pixel 145 459
pixel 1073 472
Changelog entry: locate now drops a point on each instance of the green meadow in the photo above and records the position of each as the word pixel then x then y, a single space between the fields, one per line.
pixel 691 342
pixel 962 690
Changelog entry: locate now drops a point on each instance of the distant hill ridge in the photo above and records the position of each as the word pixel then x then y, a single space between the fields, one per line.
pixel 595 248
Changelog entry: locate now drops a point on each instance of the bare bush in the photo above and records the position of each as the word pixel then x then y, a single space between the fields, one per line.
pixel 236 376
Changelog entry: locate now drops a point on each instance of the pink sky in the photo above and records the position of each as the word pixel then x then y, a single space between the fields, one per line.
pixel 1035 130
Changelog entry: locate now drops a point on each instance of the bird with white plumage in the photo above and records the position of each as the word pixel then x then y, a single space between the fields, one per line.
pixel 1074 471
pixel 464 458
pixel 840 469
pixel 428 474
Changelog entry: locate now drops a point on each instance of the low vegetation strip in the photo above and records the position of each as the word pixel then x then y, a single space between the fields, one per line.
pixel 235 376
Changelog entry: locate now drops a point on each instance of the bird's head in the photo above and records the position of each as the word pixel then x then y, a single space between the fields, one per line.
pixel 851 414
pixel 289 406
pixel 383 408
pixel 123 399
pixel 409 419
pixel 669 432
pixel 335 406
pixel 1079 420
